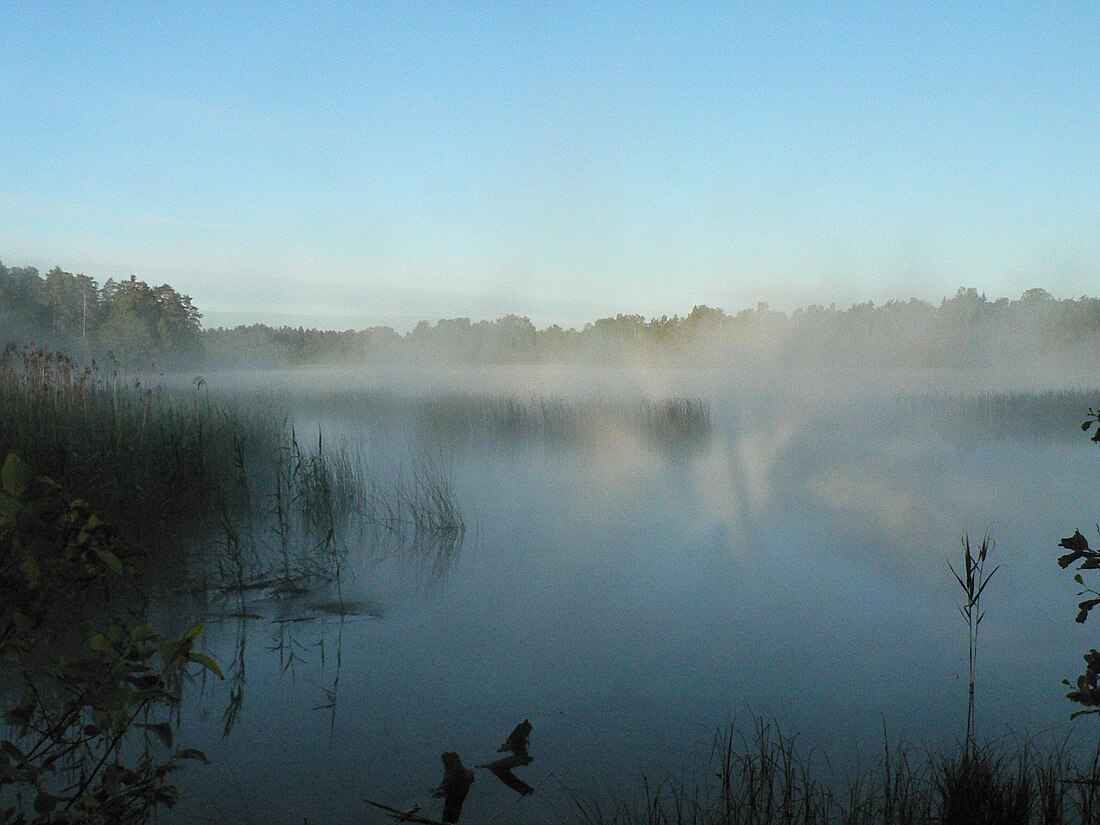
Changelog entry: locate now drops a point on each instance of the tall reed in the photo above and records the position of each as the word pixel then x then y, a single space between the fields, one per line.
pixel 973 581
pixel 671 422
pixel 187 463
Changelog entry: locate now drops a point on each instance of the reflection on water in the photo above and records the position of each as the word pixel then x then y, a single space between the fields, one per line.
pixel 638 572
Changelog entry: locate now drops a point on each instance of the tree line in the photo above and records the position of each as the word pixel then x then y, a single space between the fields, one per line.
pixel 133 320
pixel 139 324
pixel 966 329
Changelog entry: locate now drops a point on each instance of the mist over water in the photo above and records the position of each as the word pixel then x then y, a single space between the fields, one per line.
pixel 650 555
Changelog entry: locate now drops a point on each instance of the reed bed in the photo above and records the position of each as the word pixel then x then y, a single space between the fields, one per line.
pixel 176 466
pixel 765 778
pixel 669 423
pixel 145 457
pixel 1046 415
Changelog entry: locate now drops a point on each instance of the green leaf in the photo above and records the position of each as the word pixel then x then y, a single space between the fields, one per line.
pixel 9 507
pixel 150 681
pixel 109 559
pixel 163 731
pixel 31 571
pixel 169 650
pixel 1085 607
pixel 143 632
pixel 116 632
pixel 195 631
pixel 22 715
pixel 208 662
pixel 193 753
pixel 100 644
pixel 168 795
pixel 140 652
pixel 15 475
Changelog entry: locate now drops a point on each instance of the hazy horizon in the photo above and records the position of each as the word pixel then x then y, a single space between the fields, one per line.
pixel 405 323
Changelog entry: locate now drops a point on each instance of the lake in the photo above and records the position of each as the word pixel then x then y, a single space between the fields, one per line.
pixel 649 555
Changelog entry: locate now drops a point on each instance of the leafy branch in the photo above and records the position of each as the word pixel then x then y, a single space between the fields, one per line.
pixel 1085 690
pixel 63 760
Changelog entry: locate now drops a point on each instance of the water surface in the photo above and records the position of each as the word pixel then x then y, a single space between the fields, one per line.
pixel 629 585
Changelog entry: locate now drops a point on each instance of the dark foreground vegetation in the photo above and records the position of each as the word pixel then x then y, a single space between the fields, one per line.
pixel 763 777
pixel 92 738
pixel 142 324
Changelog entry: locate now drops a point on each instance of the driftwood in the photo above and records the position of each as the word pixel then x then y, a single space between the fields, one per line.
pixel 457 779
pixel 502 770
pixel 517 741
pixel 399 815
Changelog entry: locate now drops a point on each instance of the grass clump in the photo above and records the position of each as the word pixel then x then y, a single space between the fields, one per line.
pixel 149 458
pixel 188 465
pixel 1036 415
pixel 766 778
pixel 671 423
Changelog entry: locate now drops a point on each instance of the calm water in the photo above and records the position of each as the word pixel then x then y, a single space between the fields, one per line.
pixel 628 590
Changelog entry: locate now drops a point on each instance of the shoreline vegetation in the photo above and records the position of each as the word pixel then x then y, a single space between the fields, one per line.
pixel 173 467
pixel 142 325
pixel 763 776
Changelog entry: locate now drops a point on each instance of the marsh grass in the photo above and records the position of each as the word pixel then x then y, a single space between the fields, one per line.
pixel 666 423
pixel 176 469
pixel 322 502
pixel 766 778
pixel 1046 415
pixel 150 459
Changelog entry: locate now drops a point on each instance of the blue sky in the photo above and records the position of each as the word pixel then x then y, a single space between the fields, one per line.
pixel 344 165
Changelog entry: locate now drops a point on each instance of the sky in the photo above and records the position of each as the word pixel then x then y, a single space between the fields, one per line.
pixel 342 166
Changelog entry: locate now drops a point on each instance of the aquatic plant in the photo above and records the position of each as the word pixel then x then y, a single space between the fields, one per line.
pixel 973 581
pixel 150 458
pixel 1020 415
pixel 511 419
pixel 178 466
pixel 765 778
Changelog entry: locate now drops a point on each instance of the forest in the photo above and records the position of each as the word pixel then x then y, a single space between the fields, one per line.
pixel 141 325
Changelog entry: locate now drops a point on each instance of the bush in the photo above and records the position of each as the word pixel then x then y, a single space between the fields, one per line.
pixel 64 760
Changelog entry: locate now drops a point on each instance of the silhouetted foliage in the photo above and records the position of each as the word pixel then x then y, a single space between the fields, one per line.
pixel 63 759
pixel 1085 690
pixel 973 581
